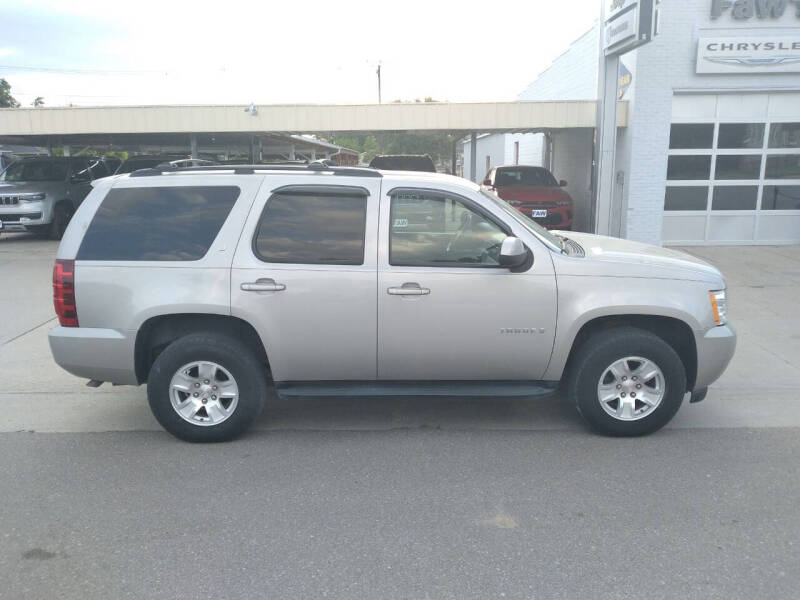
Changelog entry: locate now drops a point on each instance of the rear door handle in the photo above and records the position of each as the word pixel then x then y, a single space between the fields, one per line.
pixel 408 289
pixel 263 285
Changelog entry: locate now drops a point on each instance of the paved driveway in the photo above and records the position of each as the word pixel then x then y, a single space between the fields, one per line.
pixel 402 498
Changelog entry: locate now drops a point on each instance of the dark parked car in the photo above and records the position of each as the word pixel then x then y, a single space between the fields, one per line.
pixel 403 162
pixel 148 161
pixel 534 192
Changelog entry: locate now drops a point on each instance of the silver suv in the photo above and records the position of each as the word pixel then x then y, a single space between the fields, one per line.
pixel 41 193
pixel 209 283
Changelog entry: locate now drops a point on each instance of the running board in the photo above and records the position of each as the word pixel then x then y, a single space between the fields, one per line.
pixel 415 388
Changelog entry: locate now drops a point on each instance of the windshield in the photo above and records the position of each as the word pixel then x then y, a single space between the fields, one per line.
pixel 36 170
pixel 525 176
pixel 525 220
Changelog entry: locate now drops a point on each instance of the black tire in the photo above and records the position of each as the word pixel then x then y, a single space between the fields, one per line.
pixel 229 353
pixel 61 217
pixel 598 353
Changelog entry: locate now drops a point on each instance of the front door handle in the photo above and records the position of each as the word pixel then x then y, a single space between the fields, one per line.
pixel 263 285
pixel 408 289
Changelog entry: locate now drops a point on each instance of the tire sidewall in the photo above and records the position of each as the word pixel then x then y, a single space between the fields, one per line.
pixel 229 353
pixel 604 349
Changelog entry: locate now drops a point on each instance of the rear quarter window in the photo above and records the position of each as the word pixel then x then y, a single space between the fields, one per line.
pixel 157 223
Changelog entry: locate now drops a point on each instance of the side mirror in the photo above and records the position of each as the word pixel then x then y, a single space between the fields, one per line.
pixel 513 253
pixel 487 182
pixel 562 183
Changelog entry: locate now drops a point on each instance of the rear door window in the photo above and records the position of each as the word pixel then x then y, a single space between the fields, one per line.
pixel 322 226
pixel 157 223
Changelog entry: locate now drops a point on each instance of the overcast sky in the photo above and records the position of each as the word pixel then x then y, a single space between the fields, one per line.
pixel 145 52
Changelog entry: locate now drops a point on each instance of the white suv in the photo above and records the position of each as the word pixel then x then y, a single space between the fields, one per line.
pixel 208 283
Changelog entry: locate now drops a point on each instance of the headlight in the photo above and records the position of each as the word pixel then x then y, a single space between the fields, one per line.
pixel 32 197
pixel 719 306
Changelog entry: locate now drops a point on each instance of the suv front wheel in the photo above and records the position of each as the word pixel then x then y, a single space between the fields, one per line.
pixel 206 387
pixel 62 214
pixel 627 382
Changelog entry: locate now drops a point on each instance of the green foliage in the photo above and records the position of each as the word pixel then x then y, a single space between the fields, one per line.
pixel 438 145
pixel 6 99
pixel 39 101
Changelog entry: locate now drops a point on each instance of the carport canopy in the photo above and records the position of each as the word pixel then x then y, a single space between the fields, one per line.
pixel 79 124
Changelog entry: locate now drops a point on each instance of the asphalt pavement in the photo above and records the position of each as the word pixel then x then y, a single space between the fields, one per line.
pixel 402 497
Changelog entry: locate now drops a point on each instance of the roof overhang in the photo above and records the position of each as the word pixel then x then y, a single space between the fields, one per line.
pixel 40 124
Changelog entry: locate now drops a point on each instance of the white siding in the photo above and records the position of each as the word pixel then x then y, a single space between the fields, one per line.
pixel 531 148
pixel 491 145
pixel 572 161
pixel 572 76
pixel 500 148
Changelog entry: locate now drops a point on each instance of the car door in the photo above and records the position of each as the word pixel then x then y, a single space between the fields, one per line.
pixel 304 274
pixel 446 309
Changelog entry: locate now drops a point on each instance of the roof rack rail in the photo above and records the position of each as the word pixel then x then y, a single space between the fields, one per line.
pixel 316 166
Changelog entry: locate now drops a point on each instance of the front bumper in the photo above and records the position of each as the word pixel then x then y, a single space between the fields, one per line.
pixel 715 349
pixel 93 353
pixel 17 216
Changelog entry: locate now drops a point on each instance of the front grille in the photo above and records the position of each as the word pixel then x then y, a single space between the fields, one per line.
pixel 16 218
pixel 550 219
pixel 9 200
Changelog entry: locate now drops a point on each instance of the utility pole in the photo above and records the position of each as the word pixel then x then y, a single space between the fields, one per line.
pixel 378 71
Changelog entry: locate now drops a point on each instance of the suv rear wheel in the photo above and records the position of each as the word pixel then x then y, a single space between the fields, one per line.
pixel 627 382
pixel 206 387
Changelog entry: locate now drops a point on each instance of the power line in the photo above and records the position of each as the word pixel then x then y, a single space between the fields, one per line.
pixel 80 71
pixel 51 94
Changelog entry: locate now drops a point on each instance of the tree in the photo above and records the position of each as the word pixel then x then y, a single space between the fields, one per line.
pixel 39 101
pixel 6 99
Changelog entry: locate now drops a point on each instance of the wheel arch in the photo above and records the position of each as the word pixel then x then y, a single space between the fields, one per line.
pixel 675 331
pixel 62 202
pixel 157 332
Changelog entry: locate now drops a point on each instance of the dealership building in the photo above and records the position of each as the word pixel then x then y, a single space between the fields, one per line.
pixel 711 150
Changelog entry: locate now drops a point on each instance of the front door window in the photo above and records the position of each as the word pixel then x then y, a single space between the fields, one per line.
pixel 430 230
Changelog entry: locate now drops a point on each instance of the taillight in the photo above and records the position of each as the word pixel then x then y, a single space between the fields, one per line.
pixel 64 292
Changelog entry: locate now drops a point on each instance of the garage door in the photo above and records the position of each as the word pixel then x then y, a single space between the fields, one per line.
pixel 733 171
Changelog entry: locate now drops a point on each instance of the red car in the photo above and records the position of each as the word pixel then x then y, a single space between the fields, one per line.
pixel 534 192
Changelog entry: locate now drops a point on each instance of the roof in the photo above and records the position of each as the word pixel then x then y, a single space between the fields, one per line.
pixel 314 169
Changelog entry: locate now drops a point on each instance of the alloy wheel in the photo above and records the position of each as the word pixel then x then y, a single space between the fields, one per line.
pixel 631 388
pixel 203 393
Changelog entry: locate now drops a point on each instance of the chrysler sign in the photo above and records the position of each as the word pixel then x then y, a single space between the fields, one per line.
pixel 749 54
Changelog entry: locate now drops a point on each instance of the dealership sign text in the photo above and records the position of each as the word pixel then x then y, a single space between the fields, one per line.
pixel 778 54
pixel 742 10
